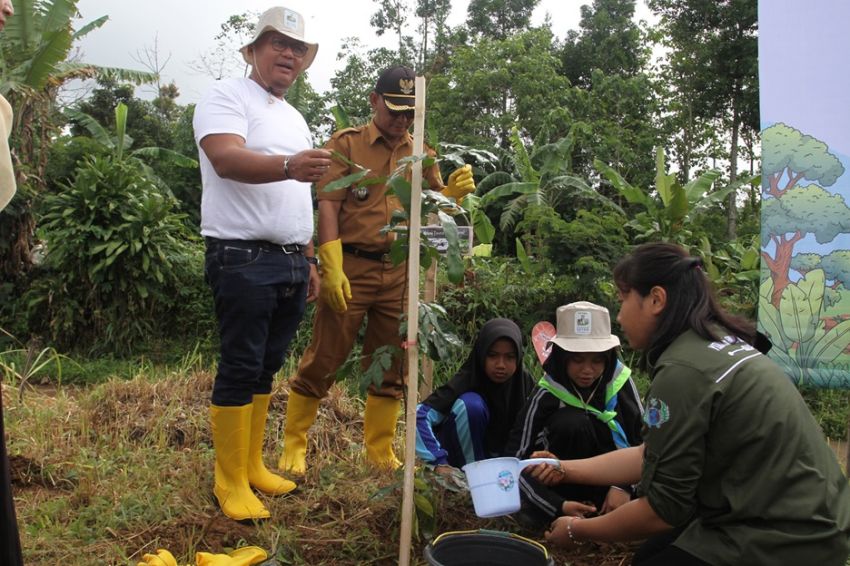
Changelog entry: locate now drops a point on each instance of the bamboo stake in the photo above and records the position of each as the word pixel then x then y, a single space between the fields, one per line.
pixel 414 229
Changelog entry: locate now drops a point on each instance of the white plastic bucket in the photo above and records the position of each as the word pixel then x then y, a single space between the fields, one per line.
pixel 494 484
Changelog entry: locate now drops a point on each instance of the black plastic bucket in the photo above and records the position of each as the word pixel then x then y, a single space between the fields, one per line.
pixel 486 548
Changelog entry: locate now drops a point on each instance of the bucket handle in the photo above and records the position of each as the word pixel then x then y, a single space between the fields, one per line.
pixel 498 533
pixel 531 461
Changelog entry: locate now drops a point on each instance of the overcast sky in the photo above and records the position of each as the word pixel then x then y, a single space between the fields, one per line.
pixel 184 29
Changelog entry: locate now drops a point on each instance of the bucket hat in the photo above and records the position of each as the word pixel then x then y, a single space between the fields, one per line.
pixel 584 327
pixel 282 20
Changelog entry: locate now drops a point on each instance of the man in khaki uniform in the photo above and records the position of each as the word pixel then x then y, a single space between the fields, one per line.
pixel 358 278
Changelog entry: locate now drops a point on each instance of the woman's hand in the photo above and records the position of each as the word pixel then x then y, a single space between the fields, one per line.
pixel 560 532
pixel 545 473
pixel 577 508
pixel 616 497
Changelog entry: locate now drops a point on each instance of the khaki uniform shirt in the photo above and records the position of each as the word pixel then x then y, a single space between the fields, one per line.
pixel 361 221
pixel 7 176
pixel 732 451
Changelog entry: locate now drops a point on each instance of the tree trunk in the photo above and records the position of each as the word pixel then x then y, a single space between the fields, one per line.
pixel 732 213
pixel 780 266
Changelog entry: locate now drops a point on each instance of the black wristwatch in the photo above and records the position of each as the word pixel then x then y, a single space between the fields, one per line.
pixel 312 259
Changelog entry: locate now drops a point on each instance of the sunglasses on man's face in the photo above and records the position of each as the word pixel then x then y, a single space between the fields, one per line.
pixel 407 114
pixel 281 43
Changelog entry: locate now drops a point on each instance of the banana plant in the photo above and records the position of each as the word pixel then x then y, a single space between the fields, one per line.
pixel 118 143
pixel 667 214
pixel 36 43
pixel 547 184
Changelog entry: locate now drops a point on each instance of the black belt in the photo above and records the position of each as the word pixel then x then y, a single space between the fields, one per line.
pixel 374 256
pixel 263 244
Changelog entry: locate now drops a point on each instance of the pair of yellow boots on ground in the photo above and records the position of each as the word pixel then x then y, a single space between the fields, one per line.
pixel 238 434
pixel 245 556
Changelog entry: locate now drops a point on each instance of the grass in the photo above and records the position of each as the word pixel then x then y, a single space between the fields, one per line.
pixel 122 465
pixel 105 473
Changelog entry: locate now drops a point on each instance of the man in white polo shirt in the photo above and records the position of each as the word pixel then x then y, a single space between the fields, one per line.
pixel 257 164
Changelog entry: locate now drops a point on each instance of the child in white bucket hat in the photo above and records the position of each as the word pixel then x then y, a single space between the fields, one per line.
pixel 586 404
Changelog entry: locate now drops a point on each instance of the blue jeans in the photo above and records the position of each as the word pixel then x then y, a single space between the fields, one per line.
pixel 260 292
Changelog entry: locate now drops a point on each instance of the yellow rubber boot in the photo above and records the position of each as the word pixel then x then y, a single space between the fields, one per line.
pixel 379 431
pixel 245 556
pixel 231 431
pixel 258 476
pixel 300 415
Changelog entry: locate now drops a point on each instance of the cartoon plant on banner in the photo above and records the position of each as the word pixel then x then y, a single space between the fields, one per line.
pixel 802 344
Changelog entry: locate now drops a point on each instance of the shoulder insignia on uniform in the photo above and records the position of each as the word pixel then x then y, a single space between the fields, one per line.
pixel 657 413
pixel 344 131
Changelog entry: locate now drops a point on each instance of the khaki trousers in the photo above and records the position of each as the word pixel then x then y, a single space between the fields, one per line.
pixel 378 291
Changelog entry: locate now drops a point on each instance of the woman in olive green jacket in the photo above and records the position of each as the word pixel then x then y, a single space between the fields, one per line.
pixel 733 469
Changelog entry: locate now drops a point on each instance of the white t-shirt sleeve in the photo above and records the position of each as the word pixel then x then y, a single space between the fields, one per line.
pixel 222 111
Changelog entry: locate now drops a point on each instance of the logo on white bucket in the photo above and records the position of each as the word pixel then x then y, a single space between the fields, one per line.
pixel 505 480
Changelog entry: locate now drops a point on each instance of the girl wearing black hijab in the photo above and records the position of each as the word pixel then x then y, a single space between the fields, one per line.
pixel 470 417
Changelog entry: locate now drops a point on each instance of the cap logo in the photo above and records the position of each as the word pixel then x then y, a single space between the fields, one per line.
pixel 290 20
pixel 583 324
pixel 406 86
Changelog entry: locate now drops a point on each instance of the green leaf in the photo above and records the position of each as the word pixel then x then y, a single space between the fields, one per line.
pixel 509 189
pixel 423 505
pixel 166 155
pixel 631 193
pixel 120 129
pixel 401 188
pixel 454 257
pixel 345 182
pixel 341 117
pixel 482 227
pixel 522 256
pixel 700 186
pixel 664 183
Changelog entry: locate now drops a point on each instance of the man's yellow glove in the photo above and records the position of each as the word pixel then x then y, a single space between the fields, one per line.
pixel 461 183
pixel 161 558
pixel 335 289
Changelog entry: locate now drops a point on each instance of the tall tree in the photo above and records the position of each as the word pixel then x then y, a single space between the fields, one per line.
pixel 499 19
pixel 477 104
pixel 621 114
pixel 392 17
pixel 714 72
pixel 434 34
pixel 352 83
pixel 608 40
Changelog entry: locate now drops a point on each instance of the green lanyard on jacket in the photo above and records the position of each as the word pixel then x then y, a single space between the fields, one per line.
pixel 608 416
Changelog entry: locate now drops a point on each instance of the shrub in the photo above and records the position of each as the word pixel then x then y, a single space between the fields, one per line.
pixel 113 247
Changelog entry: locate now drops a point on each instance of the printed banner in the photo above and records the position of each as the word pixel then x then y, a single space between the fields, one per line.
pixel 804 77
